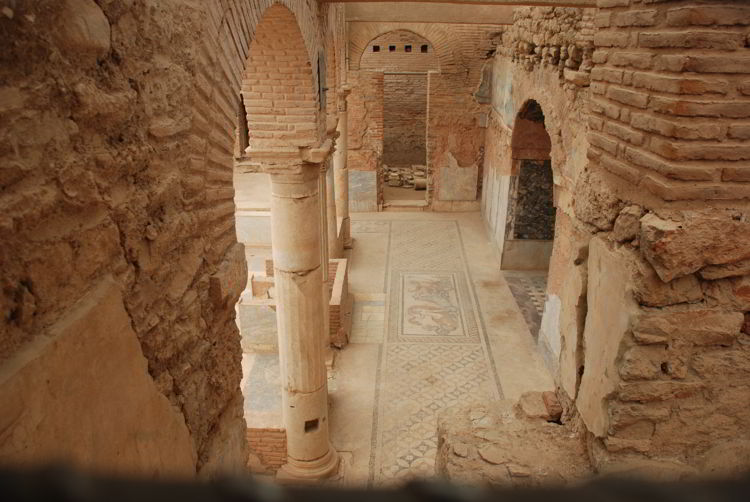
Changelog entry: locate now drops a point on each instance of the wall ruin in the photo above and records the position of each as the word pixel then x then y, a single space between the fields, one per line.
pixel 117 122
pixel 645 309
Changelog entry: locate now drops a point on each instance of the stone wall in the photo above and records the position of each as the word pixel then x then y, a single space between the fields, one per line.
pixel 404 119
pixel 666 366
pixel 117 124
pixel 645 323
pixel 667 102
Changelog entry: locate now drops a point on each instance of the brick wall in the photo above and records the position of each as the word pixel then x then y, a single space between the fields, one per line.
pixel 454 116
pixel 269 446
pixel 399 59
pixel 404 119
pixel 671 102
pixel 278 87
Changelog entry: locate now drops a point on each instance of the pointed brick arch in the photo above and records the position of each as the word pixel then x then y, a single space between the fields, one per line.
pixel 530 139
pixel 278 86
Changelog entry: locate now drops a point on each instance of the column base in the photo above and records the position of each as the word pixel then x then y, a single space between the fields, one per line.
pixel 297 471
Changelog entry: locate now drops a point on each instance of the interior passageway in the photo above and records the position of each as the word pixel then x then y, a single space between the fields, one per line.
pixel 435 325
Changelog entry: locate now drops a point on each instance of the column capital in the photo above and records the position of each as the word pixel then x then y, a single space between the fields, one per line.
pixel 343 94
pixel 286 160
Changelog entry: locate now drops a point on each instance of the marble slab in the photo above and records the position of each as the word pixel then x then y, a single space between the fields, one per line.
pixel 363 191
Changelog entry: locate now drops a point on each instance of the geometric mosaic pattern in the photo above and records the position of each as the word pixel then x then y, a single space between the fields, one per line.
pixel 421 380
pixel 425 245
pixel 530 293
pixel 434 354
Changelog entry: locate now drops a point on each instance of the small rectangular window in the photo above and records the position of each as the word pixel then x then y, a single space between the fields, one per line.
pixel 407 48
pixel 375 48
pixel 391 48
pixel 424 48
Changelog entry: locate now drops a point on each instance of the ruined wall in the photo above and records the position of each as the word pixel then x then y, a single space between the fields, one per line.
pixel 648 319
pixel 531 64
pixel 117 122
pixel 454 118
pixel 668 108
pixel 267 450
pixel 404 119
pixel 365 139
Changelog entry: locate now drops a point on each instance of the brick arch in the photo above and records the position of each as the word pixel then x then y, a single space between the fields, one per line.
pixel 438 37
pixel 279 89
pixel 530 139
pixel 553 125
pixel 400 60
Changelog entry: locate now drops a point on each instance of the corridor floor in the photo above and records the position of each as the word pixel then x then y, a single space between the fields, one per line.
pixel 435 325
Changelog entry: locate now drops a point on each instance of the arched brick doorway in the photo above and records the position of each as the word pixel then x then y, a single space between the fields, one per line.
pixel 530 222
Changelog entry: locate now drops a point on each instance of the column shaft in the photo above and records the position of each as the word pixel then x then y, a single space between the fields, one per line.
pixel 295 232
pixel 334 248
pixel 341 177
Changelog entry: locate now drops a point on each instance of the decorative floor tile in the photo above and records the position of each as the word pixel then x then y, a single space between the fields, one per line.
pixel 370 227
pixel 433 355
pixel 419 381
pixel 530 292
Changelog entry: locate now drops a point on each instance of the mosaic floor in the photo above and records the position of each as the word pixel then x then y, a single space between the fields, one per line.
pixel 432 352
pixel 529 290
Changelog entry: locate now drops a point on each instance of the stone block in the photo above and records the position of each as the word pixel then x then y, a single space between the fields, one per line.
pixel 650 290
pixel 657 391
pixel 677 248
pixel 572 317
pixel 698 327
pixel 363 191
pixel 85 31
pixel 83 395
pixel 627 223
pixel 610 308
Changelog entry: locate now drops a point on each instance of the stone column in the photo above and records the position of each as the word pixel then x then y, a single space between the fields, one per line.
pixel 296 232
pixel 323 203
pixel 341 172
pixel 334 248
